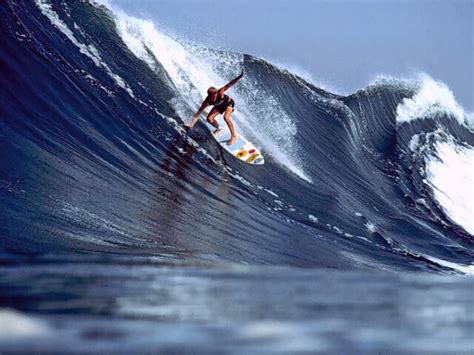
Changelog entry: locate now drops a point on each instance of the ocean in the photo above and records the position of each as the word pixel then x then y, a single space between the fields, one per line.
pixel 122 232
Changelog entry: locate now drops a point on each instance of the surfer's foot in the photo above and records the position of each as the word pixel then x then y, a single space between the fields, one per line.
pixel 187 126
pixel 218 130
pixel 231 140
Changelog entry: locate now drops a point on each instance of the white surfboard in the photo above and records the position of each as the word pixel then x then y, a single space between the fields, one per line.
pixel 242 148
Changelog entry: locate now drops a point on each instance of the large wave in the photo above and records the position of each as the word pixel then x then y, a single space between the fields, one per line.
pixel 94 157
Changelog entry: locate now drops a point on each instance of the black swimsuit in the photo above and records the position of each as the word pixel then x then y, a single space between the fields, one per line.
pixel 222 103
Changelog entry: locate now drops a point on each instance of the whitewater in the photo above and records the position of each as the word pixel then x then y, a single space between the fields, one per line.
pixel 122 231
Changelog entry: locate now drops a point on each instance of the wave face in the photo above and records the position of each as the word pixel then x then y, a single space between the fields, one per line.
pixel 94 157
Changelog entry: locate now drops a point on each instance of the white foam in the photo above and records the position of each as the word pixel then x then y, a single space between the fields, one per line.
pixel 193 69
pixel 450 173
pixel 271 192
pixel 414 142
pixel 371 227
pixel 465 269
pixel 381 80
pixel 14 325
pixel 88 50
pixel 313 218
pixel 433 99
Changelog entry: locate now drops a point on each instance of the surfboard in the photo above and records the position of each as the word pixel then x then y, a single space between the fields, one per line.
pixel 242 149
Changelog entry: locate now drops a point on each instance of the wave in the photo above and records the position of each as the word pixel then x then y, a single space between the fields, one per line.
pixel 94 157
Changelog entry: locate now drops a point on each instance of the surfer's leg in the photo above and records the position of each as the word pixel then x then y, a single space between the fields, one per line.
pixel 211 118
pixel 228 120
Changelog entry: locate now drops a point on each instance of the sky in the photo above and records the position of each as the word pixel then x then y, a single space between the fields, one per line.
pixel 344 45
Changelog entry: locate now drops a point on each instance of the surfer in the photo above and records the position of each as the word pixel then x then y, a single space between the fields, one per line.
pixel 223 104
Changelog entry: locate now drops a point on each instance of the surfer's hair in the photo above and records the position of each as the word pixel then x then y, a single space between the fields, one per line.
pixel 211 90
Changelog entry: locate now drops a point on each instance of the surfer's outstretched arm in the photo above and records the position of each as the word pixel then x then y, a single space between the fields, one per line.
pixel 197 114
pixel 232 82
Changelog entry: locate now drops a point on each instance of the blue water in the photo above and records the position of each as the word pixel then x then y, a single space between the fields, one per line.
pixel 119 231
